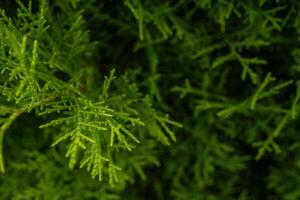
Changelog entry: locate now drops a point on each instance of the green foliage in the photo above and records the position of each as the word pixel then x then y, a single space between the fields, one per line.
pixel 149 99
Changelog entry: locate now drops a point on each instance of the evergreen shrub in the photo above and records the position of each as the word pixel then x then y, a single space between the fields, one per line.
pixel 149 99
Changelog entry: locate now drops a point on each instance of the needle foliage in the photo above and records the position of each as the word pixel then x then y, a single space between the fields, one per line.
pixel 149 99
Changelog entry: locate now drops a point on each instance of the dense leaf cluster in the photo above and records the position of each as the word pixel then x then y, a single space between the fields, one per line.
pixel 149 99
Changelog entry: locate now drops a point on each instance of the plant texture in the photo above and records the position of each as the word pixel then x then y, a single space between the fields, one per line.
pixel 149 99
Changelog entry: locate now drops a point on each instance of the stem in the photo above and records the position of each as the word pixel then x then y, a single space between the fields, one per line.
pixel 15 114
pixel 3 128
